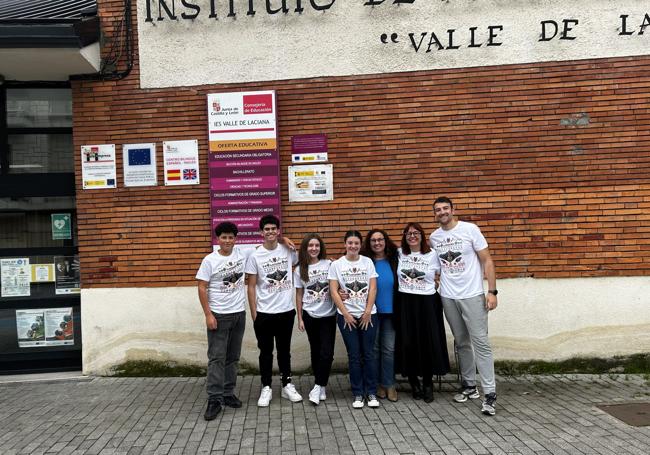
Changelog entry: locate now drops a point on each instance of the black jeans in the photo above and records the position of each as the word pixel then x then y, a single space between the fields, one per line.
pixel 279 327
pixel 321 333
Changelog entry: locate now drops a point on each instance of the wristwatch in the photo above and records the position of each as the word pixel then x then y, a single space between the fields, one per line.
pixel 493 292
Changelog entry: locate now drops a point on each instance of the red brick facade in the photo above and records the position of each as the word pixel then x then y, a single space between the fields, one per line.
pixel 552 160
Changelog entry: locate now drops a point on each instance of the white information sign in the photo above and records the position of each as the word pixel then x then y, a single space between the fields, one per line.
pixel 181 162
pixel 139 162
pixel 98 166
pixel 311 183
pixel 15 275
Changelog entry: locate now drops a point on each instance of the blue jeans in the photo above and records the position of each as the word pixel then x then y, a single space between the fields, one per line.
pixel 385 350
pixel 361 357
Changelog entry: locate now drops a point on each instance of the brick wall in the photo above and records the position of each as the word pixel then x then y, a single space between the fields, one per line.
pixel 552 160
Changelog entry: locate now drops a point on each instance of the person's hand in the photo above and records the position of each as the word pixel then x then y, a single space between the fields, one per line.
pixel 254 315
pixel 301 325
pixel 366 320
pixel 350 322
pixel 491 302
pixel 211 322
pixel 286 241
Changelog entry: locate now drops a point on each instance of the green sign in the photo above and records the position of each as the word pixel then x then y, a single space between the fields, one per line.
pixel 61 226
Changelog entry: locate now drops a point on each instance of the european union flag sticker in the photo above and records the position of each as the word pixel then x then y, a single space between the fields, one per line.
pixel 139 157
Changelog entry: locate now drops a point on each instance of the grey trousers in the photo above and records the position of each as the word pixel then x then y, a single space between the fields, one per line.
pixel 224 349
pixel 468 319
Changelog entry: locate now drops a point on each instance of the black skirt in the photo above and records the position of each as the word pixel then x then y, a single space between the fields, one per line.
pixel 421 344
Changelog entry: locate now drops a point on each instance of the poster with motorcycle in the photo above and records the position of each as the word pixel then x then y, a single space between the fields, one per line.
pixel 44 327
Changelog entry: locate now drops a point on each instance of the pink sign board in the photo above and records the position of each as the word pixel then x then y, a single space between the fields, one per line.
pixel 244 161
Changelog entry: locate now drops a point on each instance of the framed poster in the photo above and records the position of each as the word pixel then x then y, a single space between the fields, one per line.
pixel 311 183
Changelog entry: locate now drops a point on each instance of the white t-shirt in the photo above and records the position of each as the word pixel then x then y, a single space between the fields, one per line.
pixel 416 272
pixel 316 300
pixel 225 277
pixel 461 275
pixel 354 277
pixel 274 270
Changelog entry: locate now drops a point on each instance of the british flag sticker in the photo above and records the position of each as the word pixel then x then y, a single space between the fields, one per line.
pixel 189 174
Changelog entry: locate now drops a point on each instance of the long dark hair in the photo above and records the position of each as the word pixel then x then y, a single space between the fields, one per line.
pixel 424 244
pixel 389 247
pixel 303 255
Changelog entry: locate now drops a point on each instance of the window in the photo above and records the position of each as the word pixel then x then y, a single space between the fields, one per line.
pixel 38 131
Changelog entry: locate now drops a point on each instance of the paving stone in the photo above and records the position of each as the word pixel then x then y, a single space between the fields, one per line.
pixel 537 415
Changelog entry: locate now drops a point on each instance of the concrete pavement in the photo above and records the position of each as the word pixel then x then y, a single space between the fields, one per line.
pixel 535 415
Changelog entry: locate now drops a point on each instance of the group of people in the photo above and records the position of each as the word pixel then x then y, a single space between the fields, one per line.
pixel 384 299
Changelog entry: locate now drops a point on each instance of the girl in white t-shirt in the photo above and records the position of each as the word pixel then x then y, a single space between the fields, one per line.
pixel 316 312
pixel 357 318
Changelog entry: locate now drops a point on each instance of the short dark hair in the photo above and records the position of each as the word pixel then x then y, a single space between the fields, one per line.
pixel 269 219
pixel 424 244
pixel 226 228
pixel 443 199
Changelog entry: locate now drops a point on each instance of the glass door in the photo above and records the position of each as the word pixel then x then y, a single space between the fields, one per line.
pixel 40 314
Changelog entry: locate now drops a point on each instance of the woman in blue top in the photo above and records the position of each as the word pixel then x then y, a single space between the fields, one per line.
pixel 379 247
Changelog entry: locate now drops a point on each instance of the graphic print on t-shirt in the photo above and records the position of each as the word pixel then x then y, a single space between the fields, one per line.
pixel 231 276
pixel 412 272
pixel 276 271
pixel 318 289
pixel 356 285
pixel 451 257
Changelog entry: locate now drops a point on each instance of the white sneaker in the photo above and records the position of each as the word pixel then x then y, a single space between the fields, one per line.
pixel 265 397
pixel 314 395
pixel 290 393
pixel 358 402
pixel 373 402
pixel 323 395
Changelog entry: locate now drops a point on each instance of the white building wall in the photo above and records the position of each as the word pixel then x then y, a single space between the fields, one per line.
pixel 537 319
pixel 346 39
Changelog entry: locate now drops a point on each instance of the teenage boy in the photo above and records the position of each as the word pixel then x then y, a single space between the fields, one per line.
pixel 270 296
pixel 464 257
pixel 222 296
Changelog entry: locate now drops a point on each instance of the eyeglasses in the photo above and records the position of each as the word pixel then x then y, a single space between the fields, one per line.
pixel 381 240
pixel 412 234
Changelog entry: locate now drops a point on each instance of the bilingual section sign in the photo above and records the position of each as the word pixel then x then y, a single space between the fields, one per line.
pixel 244 161
pixel 181 162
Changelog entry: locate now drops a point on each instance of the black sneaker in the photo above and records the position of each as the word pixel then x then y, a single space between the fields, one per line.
pixel 489 404
pixel 466 392
pixel 213 409
pixel 232 401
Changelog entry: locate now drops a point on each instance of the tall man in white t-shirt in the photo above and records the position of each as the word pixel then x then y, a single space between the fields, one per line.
pixel 464 258
pixel 270 295
pixel 223 298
